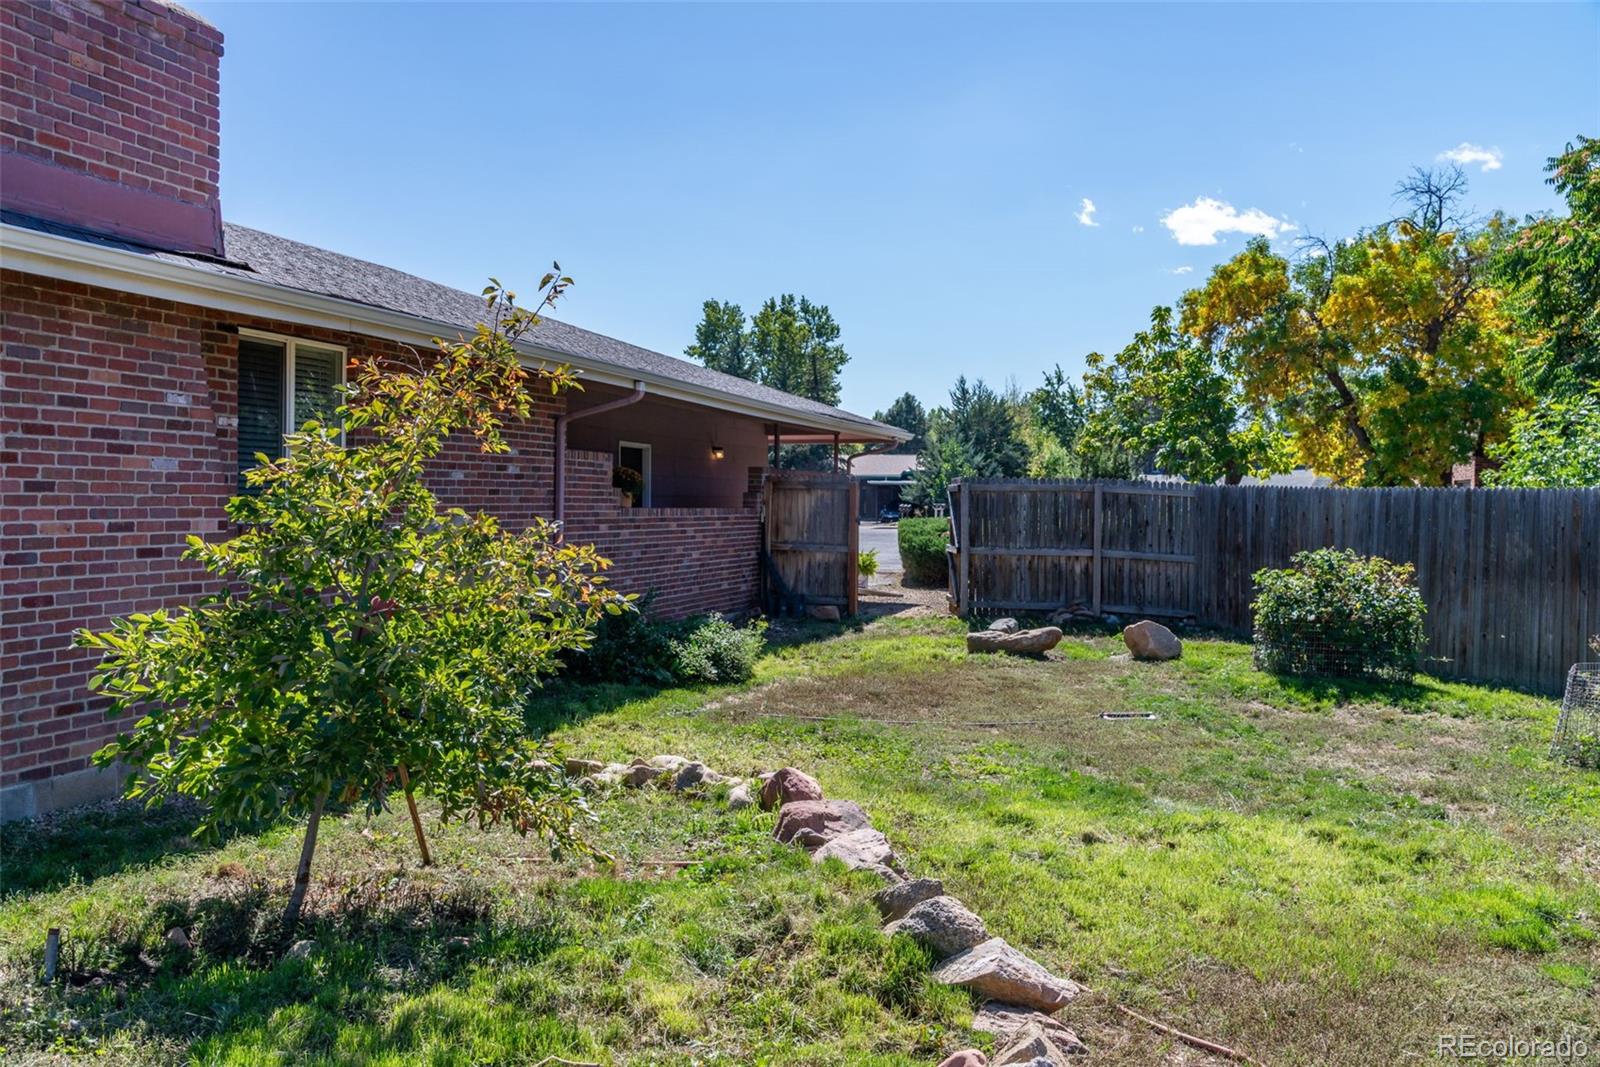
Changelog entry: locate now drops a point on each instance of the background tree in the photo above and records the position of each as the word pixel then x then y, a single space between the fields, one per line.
pixel 1387 356
pixel 720 341
pixel 1058 407
pixel 363 640
pixel 1552 269
pixel 1555 444
pixel 790 344
pixel 907 413
pixel 1166 396
pixel 976 436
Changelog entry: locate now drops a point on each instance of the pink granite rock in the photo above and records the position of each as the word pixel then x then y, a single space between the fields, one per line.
pixel 786 785
pixel 826 818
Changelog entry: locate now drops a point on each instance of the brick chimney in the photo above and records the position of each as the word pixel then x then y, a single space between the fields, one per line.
pixel 108 119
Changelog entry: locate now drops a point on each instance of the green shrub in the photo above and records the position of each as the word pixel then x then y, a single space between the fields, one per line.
pixel 712 649
pixel 1333 612
pixel 636 648
pixel 922 544
pixel 632 648
pixel 867 562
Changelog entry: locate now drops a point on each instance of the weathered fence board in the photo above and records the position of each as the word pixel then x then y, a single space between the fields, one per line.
pixel 812 532
pixel 1511 577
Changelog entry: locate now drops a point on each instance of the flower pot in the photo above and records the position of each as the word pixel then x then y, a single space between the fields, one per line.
pixel 627 499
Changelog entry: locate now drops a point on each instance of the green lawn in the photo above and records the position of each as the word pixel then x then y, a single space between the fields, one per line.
pixel 1311 873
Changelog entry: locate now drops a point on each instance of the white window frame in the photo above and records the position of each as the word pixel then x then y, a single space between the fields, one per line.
pixel 648 480
pixel 290 344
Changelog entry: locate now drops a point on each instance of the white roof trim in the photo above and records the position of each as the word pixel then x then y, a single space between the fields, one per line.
pixel 54 256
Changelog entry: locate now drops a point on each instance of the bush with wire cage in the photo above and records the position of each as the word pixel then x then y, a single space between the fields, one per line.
pixel 1334 613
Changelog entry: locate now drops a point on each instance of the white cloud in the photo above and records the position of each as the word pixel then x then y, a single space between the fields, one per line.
pixel 1200 222
pixel 1086 213
pixel 1181 270
pixel 1138 229
pixel 1466 153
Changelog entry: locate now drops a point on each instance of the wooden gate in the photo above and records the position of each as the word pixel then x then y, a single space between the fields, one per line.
pixel 811 540
pixel 1031 545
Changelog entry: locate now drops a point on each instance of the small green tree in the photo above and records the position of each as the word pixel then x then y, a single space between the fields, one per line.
pixel 1167 396
pixel 1553 445
pixel 362 638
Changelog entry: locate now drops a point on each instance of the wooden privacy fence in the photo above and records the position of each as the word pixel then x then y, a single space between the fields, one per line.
pixel 812 536
pixel 1511 577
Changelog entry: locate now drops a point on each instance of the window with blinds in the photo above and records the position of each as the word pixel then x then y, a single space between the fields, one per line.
pixel 283 384
pixel 316 384
pixel 263 374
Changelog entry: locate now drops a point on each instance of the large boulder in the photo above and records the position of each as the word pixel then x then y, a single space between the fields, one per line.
pixel 824 612
pixel 1009 1021
pixel 1151 640
pixel 578 768
pixel 943 924
pixel 787 785
pixel 994 969
pixel 860 850
pixel 825 818
pixel 1019 643
pixel 667 764
pixel 895 900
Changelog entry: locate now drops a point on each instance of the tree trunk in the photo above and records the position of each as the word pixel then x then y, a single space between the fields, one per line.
pixel 416 820
pixel 302 874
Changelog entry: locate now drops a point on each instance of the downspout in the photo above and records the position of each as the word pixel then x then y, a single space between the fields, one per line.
pixel 561 446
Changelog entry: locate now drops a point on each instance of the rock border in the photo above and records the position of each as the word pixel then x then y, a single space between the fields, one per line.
pixel 1021 995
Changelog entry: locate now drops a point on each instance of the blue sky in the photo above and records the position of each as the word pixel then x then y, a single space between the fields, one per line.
pixel 920 169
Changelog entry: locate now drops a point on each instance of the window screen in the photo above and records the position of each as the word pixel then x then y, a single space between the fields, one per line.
pixel 261 384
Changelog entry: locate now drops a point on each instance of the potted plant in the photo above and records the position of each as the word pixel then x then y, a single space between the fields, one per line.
pixel 867 566
pixel 630 483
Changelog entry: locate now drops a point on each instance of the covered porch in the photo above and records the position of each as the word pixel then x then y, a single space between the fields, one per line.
pixel 689 455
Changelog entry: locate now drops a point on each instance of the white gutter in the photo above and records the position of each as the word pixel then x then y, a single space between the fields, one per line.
pixel 53 256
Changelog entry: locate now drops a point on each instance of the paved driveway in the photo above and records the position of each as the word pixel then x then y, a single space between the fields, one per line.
pixel 884 537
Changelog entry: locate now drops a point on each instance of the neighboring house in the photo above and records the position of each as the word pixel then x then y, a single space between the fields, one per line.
pixel 150 350
pixel 880 478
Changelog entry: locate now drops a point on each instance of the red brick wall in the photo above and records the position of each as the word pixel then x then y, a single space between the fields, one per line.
pixel 119 424
pixel 711 564
pixel 109 119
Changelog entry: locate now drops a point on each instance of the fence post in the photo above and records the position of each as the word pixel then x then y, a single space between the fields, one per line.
pixel 963 552
pixel 1095 564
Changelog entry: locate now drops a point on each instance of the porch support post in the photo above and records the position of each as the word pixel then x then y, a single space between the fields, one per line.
pixel 835 452
pixel 777 448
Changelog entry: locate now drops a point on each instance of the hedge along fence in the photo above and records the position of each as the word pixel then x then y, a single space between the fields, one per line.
pixel 1511 577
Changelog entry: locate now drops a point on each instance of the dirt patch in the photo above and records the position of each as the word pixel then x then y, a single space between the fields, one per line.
pixel 889 596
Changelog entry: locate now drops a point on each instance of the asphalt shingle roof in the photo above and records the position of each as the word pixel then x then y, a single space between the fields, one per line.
pixel 290 264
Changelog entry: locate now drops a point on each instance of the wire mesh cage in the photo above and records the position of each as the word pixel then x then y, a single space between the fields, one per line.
pixel 1577 738
pixel 1314 651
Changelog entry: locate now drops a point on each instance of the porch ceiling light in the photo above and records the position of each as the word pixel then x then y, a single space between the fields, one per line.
pixel 716 452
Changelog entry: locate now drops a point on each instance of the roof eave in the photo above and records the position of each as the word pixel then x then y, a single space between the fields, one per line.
pixel 55 256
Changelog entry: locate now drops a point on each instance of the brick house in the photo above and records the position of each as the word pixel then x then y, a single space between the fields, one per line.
pixel 150 349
